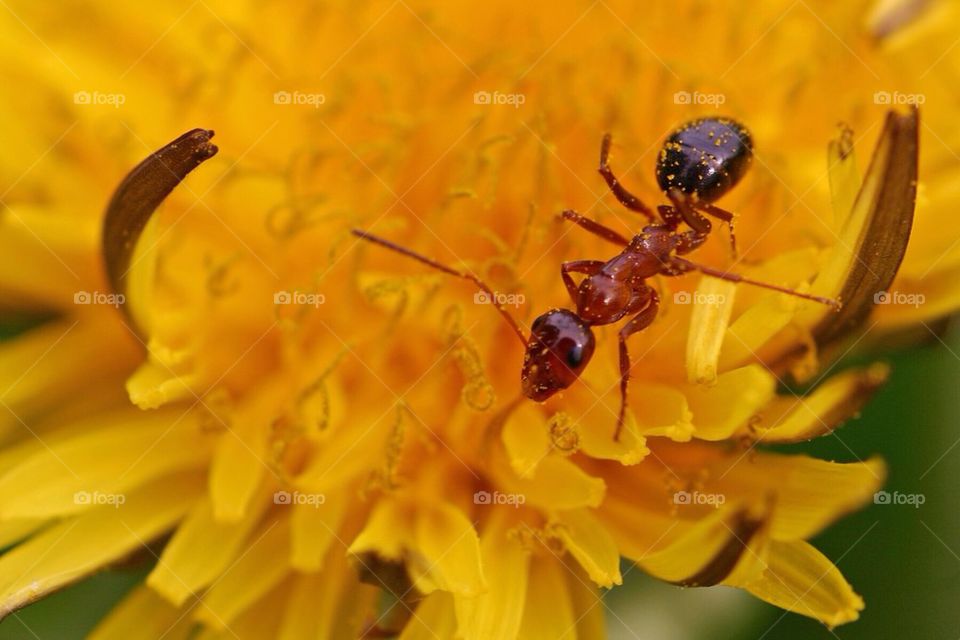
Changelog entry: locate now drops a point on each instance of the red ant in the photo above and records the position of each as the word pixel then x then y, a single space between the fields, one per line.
pixel 700 162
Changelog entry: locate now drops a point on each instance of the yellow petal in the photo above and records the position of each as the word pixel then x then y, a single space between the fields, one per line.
pixel 799 578
pixel 153 385
pixel 790 419
pixel 199 552
pixel 69 476
pixel 299 616
pixel 844 177
pixel 388 531
pixel 806 493
pixel 661 410
pixel 914 301
pixel 712 306
pixel 143 614
pixel 261 565
pixel 525 439
pixel 16 530
pixel 240 461
pixel 446 553
pixel 709 552
pixel 591 418
pixel 558 484
pixel 588 607
pixel 497 612
pixel 55 360
pixel 258 622
pixel 810 493
pixel 434 619
pixel 331 603
pixel 590 543
pixel 726 408
pixel 313 529
pixel 748 335
pixel 331 467
pixel 92 540
pixel 548 610
pixel 37 271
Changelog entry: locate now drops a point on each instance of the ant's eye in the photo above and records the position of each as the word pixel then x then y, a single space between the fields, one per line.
pixel 575 356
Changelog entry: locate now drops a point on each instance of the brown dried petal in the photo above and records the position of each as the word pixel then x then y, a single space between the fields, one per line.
pixel 140 193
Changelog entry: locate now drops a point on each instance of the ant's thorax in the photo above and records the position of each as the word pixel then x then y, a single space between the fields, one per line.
pixel 646 254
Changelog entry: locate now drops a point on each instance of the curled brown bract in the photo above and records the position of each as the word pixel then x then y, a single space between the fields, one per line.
pixel 873 238
pixel 139 195
pixel 742 530
pixel 890 191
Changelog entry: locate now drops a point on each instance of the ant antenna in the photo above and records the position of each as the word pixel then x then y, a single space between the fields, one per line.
pixel 466 275
pixel 736 277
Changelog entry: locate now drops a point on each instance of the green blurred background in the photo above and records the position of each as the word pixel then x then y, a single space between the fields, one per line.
pixel 904 561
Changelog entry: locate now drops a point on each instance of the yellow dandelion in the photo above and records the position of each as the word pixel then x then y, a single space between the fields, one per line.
pixel 329 439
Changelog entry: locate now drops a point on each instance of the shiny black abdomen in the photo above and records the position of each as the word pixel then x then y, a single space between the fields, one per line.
pixel 705 158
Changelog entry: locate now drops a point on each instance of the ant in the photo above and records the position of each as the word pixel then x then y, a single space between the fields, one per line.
pixel 700 161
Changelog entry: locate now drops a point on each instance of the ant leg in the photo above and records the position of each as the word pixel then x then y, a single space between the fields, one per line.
pixel 683 265
pixel 723 215
pixel 639 322
pixel 595 227
pixel 694 220
pixel 626 198
pixel 586 267
pixel 689 240
pixel 466 275
pixel 671 217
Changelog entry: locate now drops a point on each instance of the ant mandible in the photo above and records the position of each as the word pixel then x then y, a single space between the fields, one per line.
pixel 700 162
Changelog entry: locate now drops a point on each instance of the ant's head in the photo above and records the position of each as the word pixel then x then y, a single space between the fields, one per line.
pixel 559 348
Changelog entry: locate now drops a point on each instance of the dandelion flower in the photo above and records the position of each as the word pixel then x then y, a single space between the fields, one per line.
pixel 329 440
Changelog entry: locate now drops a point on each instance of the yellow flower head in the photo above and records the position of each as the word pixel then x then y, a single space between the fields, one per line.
pixel 330 438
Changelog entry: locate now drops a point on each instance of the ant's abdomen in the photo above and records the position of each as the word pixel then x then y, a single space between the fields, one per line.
pixel 705 158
